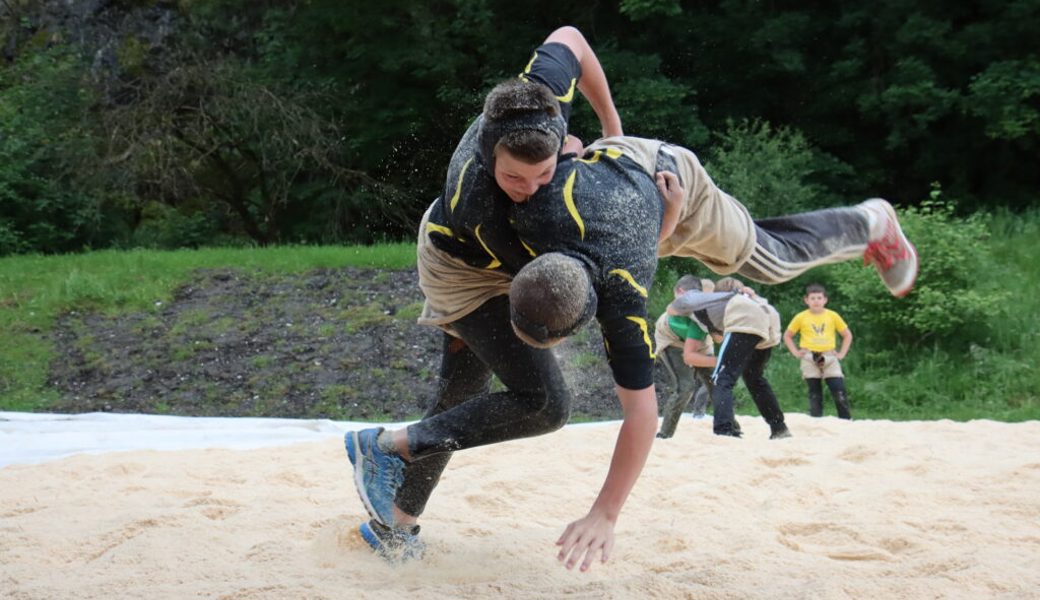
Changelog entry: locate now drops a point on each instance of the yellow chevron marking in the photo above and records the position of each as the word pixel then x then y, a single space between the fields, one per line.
pixel 569 96
pixel 529 249
pixel 439 229
pixel 646 333
pixel 494 264
pixel 631 280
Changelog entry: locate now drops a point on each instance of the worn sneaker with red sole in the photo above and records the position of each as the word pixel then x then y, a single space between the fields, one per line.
pixel 891 253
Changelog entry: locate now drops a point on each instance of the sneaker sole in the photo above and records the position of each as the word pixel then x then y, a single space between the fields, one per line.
pixel 902 291
pixel 369 536
pixel 379 547
pixel 358 460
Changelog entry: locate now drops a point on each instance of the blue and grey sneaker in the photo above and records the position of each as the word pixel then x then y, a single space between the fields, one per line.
pixel 394 545
pixel 377 474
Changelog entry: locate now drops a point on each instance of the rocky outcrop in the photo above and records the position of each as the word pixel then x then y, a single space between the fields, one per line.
pixel 117 38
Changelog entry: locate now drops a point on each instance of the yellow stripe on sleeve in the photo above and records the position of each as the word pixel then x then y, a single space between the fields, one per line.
pixel 495 263
pixel 530 63
pixel 631 280
pixel 569 96
pixel 458 185
pixel 568 199
pixel 641 322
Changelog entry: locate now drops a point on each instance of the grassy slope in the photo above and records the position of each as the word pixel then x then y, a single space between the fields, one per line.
pixel 34 290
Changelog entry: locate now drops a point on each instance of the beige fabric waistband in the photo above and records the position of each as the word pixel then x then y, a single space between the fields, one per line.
pixel 754 316
pixel 453 289
pixel 714 227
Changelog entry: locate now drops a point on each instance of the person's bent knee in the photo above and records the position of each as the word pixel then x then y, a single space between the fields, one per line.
pixel 554 410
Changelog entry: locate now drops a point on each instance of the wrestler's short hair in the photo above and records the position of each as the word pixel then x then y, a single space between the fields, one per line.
pixel 688 283
pixel 523 118
pixel 728 284
pixel 551 298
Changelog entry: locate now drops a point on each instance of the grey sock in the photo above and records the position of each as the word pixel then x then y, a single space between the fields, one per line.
pixel 385 442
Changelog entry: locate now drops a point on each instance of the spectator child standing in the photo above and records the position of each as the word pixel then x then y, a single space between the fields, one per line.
pixel 816 328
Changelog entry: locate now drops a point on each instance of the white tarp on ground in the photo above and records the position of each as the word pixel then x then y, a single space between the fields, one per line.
pixel 37 437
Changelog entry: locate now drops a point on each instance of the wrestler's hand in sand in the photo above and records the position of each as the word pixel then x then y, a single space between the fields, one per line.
pixel 591 536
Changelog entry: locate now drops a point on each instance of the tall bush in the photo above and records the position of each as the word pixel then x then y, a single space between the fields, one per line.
pixel 769 169
pixel 947 307
pixel 46 156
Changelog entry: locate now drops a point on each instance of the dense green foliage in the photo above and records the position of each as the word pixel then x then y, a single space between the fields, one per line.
pixel 47 201
pixel 215 122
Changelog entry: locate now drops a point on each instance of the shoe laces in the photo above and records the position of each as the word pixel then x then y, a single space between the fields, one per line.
pixel 388 472
pixel 887 250
pixel 393 472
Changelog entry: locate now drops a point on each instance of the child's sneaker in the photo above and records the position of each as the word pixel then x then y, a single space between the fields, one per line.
pixel 894 257
pixel 395 545
pixel 377 474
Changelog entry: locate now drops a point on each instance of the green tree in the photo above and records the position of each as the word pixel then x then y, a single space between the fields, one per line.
pixel 769 171
pixel 47 203
pixel 208 129
pixel 1007 97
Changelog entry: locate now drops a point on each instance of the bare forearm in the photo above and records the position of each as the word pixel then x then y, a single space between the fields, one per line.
pixel 697 359
pixel 791 347
pixel 846 342
pixel 633 445
pixel 594 87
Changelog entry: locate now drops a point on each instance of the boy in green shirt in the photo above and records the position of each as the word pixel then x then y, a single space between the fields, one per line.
pixel 686 354
pixel 816 329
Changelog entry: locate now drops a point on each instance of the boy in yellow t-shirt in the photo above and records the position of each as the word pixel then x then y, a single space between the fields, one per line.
pixel 816 329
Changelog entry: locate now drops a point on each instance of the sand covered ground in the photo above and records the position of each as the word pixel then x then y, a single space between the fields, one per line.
pixel 867 509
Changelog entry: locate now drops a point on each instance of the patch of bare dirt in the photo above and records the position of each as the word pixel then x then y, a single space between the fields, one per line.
pixel 332 343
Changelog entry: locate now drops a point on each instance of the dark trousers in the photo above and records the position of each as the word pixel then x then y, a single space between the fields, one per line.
pixel 738 358
pixel 838 393
pixel 686 383
pixel 465 414
pixel 788 246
